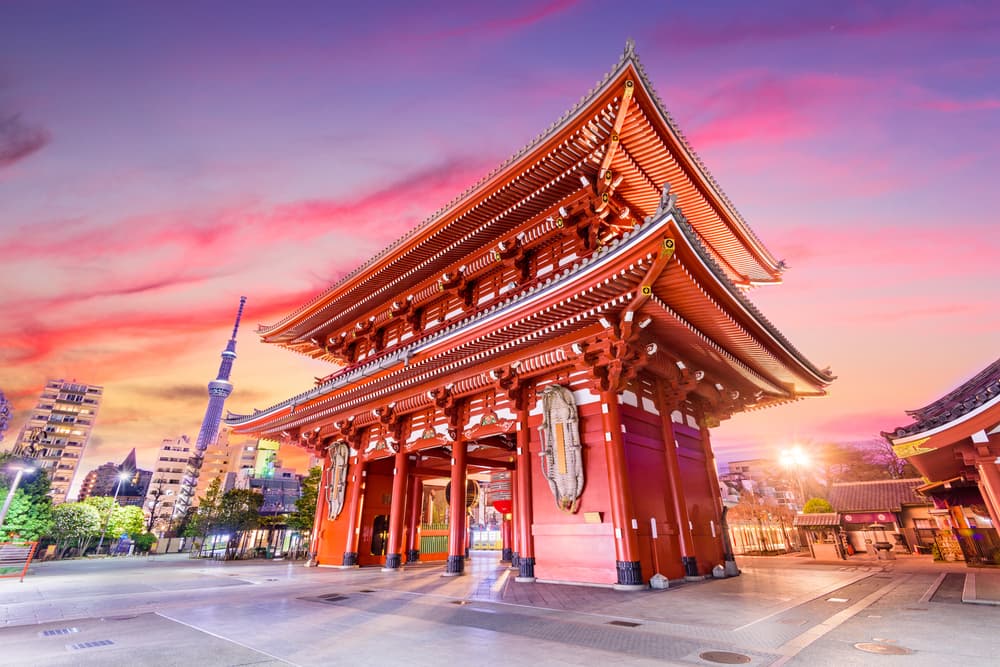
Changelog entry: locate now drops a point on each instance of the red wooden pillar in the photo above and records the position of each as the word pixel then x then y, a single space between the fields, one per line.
pixel 526 545
pixel 354 514
pixel 505 537
pixel 713 480
pixel 321 505
pixel 394 551
pixel 675 484
pixel 414 514
pixel 515 520
pixel 456 524
pixel 622 514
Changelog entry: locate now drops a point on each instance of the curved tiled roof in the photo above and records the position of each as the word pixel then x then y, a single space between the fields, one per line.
pixel 765 260
pixel 978 391
pixel 884 495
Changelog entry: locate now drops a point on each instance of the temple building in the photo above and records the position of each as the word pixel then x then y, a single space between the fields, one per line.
pixel 568 330
pixel 954 443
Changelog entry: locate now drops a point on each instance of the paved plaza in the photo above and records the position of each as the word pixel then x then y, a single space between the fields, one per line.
pixel 171 610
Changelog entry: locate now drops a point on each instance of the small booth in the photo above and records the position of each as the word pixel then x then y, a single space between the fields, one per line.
pixel 823 535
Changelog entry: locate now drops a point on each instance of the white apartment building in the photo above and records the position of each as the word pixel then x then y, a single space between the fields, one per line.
pixel 58 430
pixel 165 486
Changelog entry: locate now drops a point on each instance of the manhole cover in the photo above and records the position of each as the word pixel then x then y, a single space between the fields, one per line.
pixel 331 597
pixel 724 657
pixel 882 649
pixel 624 624
pixel 367 590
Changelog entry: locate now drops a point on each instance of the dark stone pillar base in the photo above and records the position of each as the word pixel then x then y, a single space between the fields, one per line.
pixel 690 566
pixel 455 566
pixel 505 555
pixel 515 560
pixel 525 569
pixel 393 561
pixel 350 558
pixel 413 555
pixel 629 572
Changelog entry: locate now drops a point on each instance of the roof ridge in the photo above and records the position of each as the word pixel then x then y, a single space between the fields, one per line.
pixel 627 55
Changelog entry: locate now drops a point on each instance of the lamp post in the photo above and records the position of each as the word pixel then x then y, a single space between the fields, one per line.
pixel 122 476
pixel 795 459
pixel 20 470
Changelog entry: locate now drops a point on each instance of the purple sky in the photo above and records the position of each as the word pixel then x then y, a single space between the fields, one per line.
pixel 159 161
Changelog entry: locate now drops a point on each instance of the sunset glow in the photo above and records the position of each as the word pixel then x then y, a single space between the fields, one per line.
pixel 156 163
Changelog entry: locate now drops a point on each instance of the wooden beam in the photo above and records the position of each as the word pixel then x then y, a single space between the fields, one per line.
pixel 603 174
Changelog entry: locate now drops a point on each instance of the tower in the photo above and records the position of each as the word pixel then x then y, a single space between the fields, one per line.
pixel 219 390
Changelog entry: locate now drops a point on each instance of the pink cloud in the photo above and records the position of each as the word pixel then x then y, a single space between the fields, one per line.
pixel 495 27
pixel 859 20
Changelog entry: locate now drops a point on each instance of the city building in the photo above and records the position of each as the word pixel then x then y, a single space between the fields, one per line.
pixel 954 442
pixel 167 480
pixel 104 481
pixel 764 478
pixel 224 461
pixel 219 390
pixel 58 429
pixel 577 318
pixel 281 488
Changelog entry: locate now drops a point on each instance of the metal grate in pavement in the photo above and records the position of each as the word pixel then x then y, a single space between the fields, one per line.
pixel 91 644
pixel 57 632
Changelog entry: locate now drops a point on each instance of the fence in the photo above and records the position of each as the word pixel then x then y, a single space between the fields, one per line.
pixel 757 538
pixel 15 557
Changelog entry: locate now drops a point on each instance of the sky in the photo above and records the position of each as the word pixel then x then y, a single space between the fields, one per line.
pixel 160 160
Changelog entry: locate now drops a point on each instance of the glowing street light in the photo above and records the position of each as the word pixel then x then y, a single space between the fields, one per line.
pixel 20 470
pixel 122 476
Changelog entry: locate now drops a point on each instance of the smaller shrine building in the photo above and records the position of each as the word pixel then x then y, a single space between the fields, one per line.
pixel 954 443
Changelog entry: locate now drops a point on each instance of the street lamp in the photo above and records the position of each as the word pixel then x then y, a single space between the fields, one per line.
pixel 122 476
pixel 795 459
pixel 20 469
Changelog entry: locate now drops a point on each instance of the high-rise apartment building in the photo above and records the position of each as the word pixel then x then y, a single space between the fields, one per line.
pixel 58 430
pixel 224 460
pixel 163 499
pixel 105 481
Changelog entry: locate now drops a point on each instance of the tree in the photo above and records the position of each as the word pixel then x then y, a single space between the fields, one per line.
pixel 879 452
pixel 125 520
pixel 74 524
pixel 304 516
pixel 144 542
pixel 30 513
pixel 817 506
pixel 157 496
pixel 239 511
pixel 202 521
pixel 29 518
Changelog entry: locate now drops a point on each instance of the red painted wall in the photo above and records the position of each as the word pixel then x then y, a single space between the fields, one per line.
pixel 567 548
pixel 647 471
pixel 700 497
